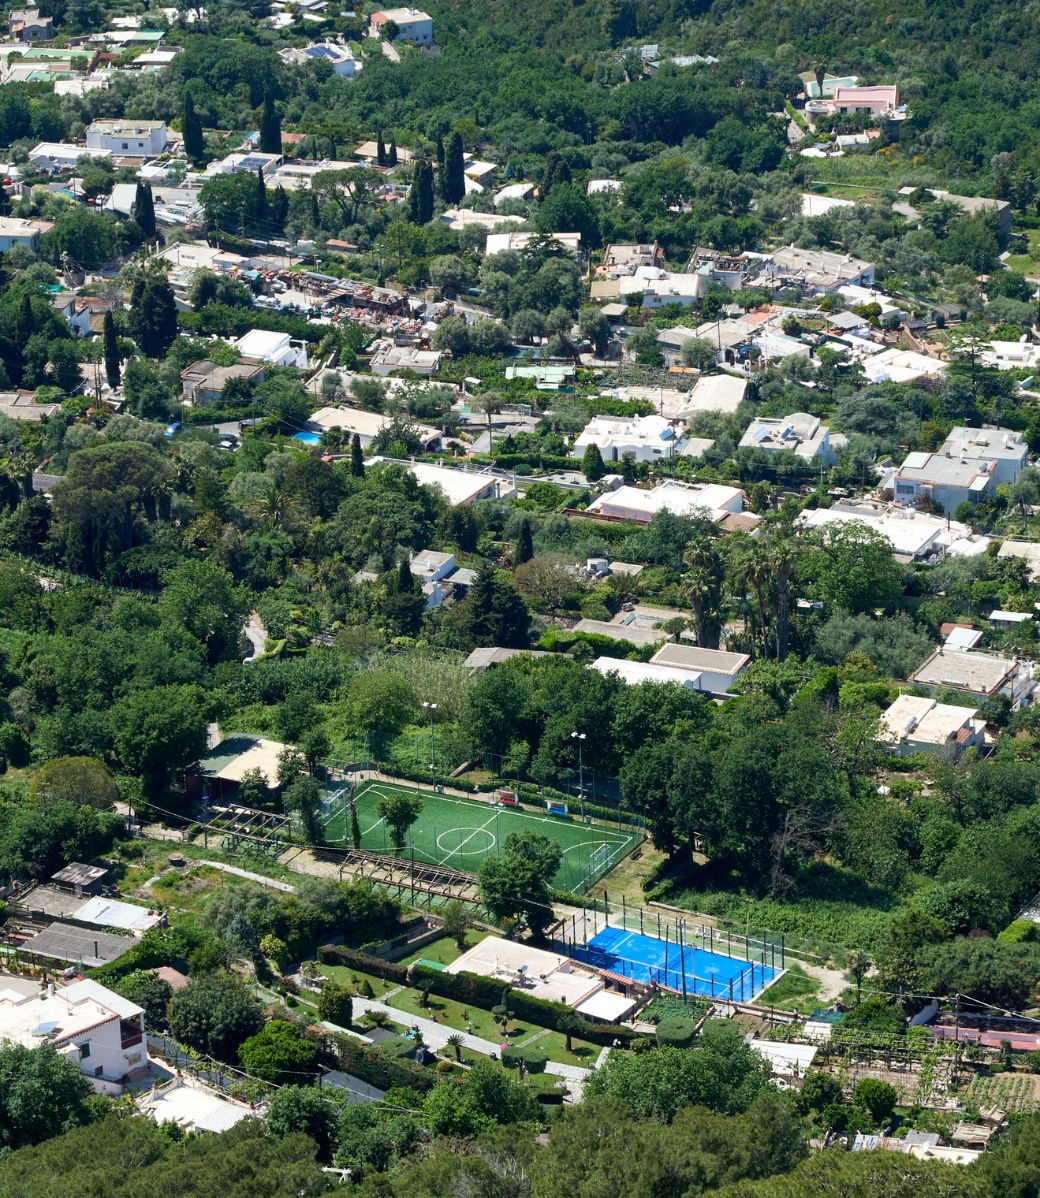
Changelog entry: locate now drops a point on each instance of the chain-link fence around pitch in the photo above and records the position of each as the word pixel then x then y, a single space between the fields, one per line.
pixel 457 831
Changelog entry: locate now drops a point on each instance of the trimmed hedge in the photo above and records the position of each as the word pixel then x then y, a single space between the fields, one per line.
pixel 533 1060
pixel 352 958
pixel 477 991
pixel 676 1032
pixel 385 1070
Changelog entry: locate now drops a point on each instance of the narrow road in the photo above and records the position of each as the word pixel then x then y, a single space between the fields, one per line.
pixel 255 632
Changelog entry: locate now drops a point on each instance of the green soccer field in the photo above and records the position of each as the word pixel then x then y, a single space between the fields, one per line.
pixel 460 833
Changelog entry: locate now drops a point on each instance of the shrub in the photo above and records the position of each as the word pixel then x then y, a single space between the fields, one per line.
pixel 535 1061
pixel 334 1004
pixel 676 1032
pixel 876 1097
pixel 1019 931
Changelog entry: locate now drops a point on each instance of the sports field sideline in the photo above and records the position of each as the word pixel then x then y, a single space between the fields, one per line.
pixel 461 832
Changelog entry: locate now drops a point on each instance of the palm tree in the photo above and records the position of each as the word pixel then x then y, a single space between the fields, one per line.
pixel 780 555
pixel 749 575
pixel 570 1025
pixel 702 588
pixel 456 1041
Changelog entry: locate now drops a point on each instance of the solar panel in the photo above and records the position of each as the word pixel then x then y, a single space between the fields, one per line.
pixel 44 1029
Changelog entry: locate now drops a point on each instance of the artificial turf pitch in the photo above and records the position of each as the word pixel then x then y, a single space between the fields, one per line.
pixel 460 833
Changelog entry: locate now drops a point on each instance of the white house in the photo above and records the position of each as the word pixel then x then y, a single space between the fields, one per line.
pixel 1011 355
pixel 54 156
pixel 279 349
pixel 459 486
pixel 1006 449
pixel 640 439
pixel 498 242
pixel 895 365
pixel 85 1022
pixel 137 138
pixel 915 536
pixel 945 479
pixel 389 357
pixel 365 425
pixel 883 98
pixel 513 191
pixel 915 724
pixel 339 57
pixel 682 499
pixel 822 270
pixel 16 231
pixel 634 672
pixel 413 25
pixel 715 669
pixel 800 433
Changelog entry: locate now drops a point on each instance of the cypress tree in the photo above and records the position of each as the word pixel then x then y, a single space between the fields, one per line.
pixel 391 156
pixel 380 151
pixel 405 577
pixel 144 209
pixel 315 211
pixel 592 463
pixel 420 198
pixel 453 179
pixel 523 550
pixel 279 206
pixel 355 827
pixel 153 316
pixel 111 350
pixel 270 127
pixel 357 462
pixel 261 192
pixel 425 189
pixel 191 130
pixel 440 151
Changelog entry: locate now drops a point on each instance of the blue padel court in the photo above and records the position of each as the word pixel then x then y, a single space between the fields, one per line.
pixel 683 968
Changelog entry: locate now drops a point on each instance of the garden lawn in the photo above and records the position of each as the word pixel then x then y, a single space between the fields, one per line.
pixel 352 978
pixel 1029 262
pixel 795 989
pixel 444 950
pixel 484 1024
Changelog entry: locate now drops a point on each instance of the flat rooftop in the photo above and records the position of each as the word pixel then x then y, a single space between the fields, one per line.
pixel 58 1018
pixel 534 970
pixel 78 946
pixel 621 632
pixel 924 720
pixel 979 673
pixel 192 1107
pixel 693 657
pixel 634 672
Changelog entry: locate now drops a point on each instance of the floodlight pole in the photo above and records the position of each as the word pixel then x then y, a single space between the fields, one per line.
pixel 431 708
pixel 580 737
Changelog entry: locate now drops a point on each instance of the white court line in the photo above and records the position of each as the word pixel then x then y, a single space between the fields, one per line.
pixel 484 828
pixel 619 837
pixel 609 835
